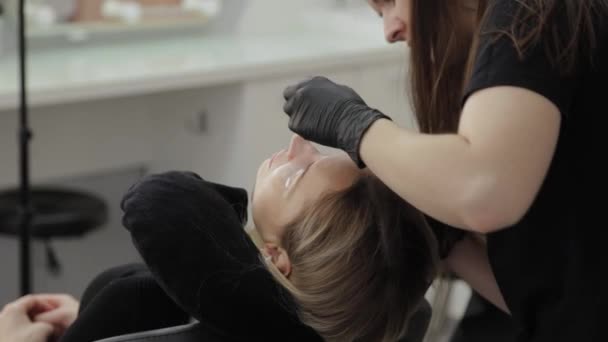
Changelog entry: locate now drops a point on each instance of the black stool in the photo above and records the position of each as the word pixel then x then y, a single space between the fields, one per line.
pixel 56 213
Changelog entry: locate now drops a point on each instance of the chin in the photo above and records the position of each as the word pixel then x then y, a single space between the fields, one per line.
pixel 263 167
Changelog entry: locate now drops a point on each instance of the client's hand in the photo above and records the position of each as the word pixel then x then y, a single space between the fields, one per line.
pixel 16 324
pixel 61 312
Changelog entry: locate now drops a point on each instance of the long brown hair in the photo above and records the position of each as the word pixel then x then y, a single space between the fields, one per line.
pixel 362 260
pixel 567 29
pixel 443 47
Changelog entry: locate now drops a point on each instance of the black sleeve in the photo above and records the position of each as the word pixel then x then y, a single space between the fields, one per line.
pixel 123 300
pixel 190 234
pixel 497 62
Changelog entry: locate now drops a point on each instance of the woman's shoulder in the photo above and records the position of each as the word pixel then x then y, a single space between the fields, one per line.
pixel 545 50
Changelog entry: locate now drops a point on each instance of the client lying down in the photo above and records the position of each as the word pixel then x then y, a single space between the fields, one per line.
pixel 337 257
pixel 355 257
pixel 353 260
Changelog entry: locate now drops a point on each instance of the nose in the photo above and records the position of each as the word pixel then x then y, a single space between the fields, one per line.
pixel 395 29
pixel 296 146
pixel 300 147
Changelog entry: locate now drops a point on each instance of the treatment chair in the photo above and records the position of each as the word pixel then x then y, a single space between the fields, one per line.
pixel 184 333
pixel 195 332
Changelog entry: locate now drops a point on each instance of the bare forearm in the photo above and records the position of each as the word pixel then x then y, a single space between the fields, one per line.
pixel 435 173
pixel 469 261
pixel 485 177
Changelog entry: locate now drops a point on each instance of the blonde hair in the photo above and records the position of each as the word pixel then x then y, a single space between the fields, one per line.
pixel 362 260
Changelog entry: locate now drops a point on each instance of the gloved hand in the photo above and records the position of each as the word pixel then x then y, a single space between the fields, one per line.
pixel 329 114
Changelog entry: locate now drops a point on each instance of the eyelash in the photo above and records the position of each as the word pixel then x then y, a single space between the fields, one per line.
pixel 380 2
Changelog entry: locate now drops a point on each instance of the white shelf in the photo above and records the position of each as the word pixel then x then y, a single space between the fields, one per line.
pixel 70 30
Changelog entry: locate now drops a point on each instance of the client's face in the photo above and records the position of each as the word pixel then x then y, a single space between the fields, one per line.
pixel 292 179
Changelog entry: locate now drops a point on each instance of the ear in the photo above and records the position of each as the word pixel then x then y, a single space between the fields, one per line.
pixel 279 258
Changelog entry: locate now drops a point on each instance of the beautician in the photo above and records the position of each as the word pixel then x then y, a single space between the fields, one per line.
pixel 507 96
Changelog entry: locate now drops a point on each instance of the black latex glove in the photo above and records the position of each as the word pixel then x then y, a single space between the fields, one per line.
pixel 329 114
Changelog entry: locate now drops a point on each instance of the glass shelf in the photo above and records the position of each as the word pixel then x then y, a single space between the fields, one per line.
pixel 83 31
pixel 86 24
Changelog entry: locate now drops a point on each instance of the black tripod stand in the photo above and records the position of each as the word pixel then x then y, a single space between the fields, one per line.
pixel 24 136
pixel 45 212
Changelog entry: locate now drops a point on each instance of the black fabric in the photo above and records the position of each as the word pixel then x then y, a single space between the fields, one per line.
pixel 120 301
pixel 190 234
pixel 549 265
pixel 127 300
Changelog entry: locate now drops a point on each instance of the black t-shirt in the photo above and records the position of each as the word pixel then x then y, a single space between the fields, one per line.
pixel 550 266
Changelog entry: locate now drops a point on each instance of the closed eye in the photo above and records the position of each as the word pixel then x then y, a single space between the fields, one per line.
pixel 378 4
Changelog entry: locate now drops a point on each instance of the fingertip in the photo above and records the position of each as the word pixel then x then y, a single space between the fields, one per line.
pixel 288 107
pixel 23 303
pixel 43 329
pixel 289 92
pixel 43 317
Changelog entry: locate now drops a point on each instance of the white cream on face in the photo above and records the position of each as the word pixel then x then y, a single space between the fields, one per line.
pixel 288 183
pixel 289 165
pixel 291 179
pixel 289 174
pixel 295 172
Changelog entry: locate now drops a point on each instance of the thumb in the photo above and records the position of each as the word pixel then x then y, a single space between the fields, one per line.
pixel 40 332
pixel 54 317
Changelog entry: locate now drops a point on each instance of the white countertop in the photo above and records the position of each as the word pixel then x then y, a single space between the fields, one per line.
pixel 95 72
